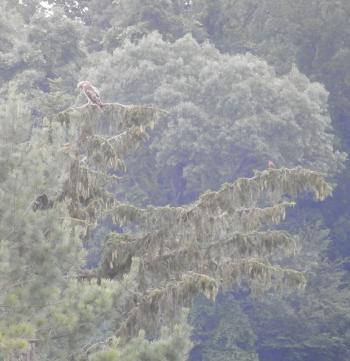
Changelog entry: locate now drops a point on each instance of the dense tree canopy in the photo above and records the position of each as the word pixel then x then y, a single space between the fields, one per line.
pixel 67 196
pixel 227 116
pixel 224 82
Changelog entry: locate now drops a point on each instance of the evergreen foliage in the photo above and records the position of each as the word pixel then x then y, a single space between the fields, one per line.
pixel 70 173
pixel 80 195
pixel 227 116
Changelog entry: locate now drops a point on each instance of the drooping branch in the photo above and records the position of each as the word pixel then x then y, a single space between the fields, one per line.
pixel 94 143
pixel 179 236
pixel 261 275
pixel 156 307
pixel 218 238
pixel 267 186
pixel 235 207
pixel 114 118
pixel 203 227
pixel 164 259
pixel 170 254
pixel 171 264
pixel 107 152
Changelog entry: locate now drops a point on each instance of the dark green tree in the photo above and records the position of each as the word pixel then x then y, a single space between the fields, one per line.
pixel 165 256
pixel 228 115
pixel 161 257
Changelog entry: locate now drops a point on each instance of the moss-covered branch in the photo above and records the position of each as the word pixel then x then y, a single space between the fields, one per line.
pixel 166 259
pixel 204 227
pixel 114 118
pixel 267 187
pixel 159 306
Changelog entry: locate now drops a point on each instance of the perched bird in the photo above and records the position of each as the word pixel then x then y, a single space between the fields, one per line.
pixel 91 93
pixel 271 165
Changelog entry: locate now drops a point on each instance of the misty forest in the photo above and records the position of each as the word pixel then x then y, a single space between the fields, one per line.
pixel 174 180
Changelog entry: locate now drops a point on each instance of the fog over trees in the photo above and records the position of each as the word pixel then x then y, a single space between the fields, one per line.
pixel 201 212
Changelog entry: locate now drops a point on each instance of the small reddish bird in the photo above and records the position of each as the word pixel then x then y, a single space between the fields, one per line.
pixel 271 165
pixel 92 93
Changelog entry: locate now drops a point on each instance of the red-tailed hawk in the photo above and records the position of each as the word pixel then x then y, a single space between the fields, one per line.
pixel 271 165
pixel 91 93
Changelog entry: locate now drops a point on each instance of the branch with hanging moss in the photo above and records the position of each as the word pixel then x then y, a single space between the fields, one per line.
pixel 85 184
pixel 101 152
pixel 89 133
pixel 266 187
pixel 158 306
pixel 204 239
pixel 203 227
pixel 162 263
pixel 107 152
pixel 114 117
pixel 106 178
pixel 198 248
pixel 261 276
pixel 104 152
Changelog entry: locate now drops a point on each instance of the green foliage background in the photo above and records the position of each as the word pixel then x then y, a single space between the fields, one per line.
pixel 244 82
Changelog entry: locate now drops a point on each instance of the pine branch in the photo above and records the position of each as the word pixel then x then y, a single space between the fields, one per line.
pixel 261 276
pixel 103 153
pixel 207 260
pixel 164 305
pixel 175 252
pixel 216 237
pixel 87 132
pixel 174 223
pixel 169 257
pixel 241 197
pixel 114 117
pixel 157 306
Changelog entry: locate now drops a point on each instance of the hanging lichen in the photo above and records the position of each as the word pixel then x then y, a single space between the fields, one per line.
pixel 235 207
pixel 94 143
pixel 167 255
pixel 157 305
pixel 219 237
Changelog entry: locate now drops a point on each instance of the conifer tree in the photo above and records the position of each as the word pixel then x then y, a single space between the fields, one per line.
pixel 58 182
pixel 164 256
pixel 39 249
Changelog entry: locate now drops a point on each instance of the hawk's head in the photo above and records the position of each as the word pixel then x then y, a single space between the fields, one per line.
pixel 82 84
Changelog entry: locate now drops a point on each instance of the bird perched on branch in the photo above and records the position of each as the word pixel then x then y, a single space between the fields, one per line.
pixel 92 93
pixel 271 165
